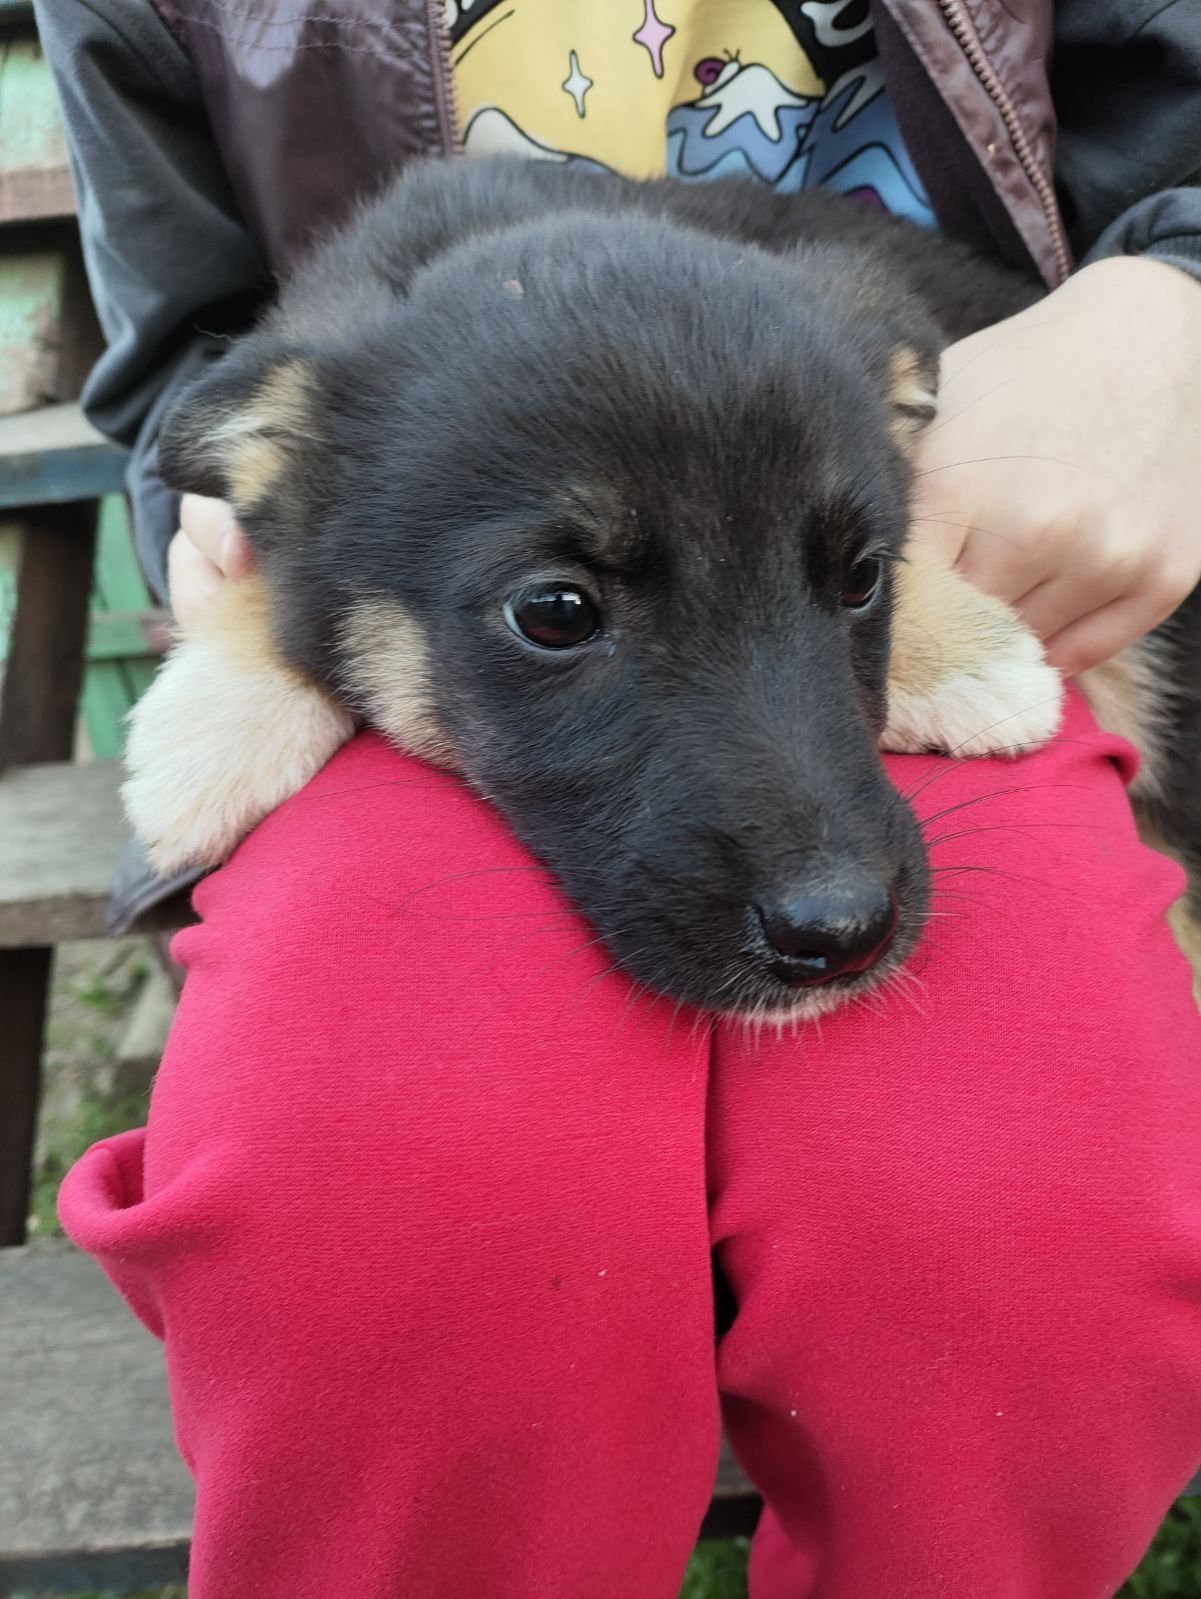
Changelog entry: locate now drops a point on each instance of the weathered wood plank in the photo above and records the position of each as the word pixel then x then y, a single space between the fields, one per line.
pixel 56 455
pixel 45 657
pixel 37 723
pixel 35 172
pixel 92 1491
pixel 118 635
pixel 33 286
pixel 61 830
pixel 125 632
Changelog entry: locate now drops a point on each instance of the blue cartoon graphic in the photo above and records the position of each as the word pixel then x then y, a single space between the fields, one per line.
pixel 747 123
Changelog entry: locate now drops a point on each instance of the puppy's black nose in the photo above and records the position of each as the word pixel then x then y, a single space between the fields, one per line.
pixel 819 934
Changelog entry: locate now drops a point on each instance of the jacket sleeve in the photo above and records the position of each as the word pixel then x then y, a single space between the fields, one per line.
pixel 173 270
pixel 1126 80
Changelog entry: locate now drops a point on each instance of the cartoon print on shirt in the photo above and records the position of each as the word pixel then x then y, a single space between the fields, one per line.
pixel 787 92
pixel 745 122
pixel 577 84
pixel 653 35
pixel 829 22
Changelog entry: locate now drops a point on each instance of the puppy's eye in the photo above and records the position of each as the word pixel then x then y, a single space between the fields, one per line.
pixel 861 583
pixel 553 618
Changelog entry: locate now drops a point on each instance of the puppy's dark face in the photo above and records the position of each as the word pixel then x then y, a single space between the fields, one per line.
pixel 607 515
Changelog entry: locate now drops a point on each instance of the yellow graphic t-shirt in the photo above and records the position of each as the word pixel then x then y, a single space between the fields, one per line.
pixel 786 91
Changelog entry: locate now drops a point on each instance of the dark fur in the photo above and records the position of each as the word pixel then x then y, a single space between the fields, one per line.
pixel 676 396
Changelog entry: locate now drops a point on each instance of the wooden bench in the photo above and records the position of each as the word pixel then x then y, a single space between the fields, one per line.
pixel 92 1491
pixel 59 830
pixel 59 827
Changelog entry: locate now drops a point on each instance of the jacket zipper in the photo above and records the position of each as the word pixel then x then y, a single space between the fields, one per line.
pixel 961 25
pixel 444 86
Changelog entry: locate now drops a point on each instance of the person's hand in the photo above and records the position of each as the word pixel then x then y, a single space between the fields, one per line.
pixel 1063 472
pixel 209 550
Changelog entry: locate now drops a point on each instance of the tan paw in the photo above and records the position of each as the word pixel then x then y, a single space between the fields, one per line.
pixel 967 676
pixel 225 733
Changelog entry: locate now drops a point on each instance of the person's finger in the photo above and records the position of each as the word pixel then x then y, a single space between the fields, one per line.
pixel 193 580
pixel 1051 607
pixel 213 528
pixel 1006 573
pixel 1096 637
pixel 990 547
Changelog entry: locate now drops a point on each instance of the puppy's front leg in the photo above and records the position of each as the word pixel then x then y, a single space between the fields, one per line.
pixel 967 677
pixel 225 733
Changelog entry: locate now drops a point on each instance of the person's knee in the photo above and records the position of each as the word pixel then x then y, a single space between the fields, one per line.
pixel 1025 1105
pixel 402 1079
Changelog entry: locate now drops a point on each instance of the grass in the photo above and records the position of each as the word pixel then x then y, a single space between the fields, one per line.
pixel 717 1571
pixel 89 1006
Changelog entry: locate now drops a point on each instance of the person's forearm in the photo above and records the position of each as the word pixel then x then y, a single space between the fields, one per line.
pixel 173 269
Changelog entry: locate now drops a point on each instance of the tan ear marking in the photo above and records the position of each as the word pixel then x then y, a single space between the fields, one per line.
pixel 251 439
pixel 387 675
pixel 911 395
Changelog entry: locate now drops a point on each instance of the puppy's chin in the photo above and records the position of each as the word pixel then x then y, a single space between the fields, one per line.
pixel 785 1007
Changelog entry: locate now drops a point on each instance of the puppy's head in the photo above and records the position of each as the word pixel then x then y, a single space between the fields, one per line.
pixel 607 513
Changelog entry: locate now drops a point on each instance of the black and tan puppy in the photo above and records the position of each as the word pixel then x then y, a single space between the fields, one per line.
pixel 597 491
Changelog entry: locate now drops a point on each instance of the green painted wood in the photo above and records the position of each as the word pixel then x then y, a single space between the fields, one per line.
pixel 123 631
pixel 105 704
pixel 127 635
pixel 35 173
pixel 122 636
pixel 119 579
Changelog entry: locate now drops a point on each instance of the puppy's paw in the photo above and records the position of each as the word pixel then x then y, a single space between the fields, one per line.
pixel 225 733
pixel 967 676
pixel 1005 706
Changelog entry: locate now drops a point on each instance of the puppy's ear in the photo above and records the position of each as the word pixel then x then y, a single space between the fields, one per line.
pixel 243 430
pixel 911 392
pixel 902 349
pixel 891 329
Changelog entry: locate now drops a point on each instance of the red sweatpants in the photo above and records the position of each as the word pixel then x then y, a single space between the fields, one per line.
pixel 426 1208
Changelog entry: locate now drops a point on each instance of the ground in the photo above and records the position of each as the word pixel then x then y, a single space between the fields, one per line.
pixel 108 1007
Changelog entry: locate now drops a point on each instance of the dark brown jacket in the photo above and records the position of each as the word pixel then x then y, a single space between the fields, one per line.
pixel 301 94
pixel 213 139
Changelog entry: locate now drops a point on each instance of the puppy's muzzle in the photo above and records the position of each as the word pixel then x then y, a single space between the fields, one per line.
pixel 812 935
